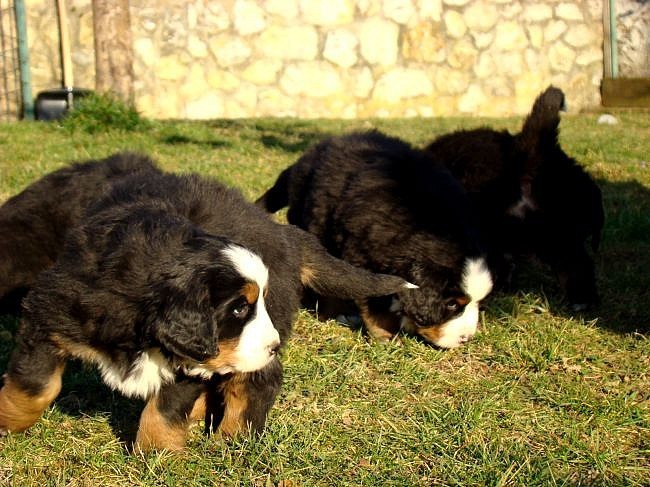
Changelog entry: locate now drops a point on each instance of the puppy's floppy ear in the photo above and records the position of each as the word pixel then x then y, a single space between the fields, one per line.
pixel 184 333
pixel 182 328
pixel 330 276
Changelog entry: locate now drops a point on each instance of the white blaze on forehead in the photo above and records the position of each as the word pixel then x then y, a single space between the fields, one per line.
pixel 248 264
pixel 259 338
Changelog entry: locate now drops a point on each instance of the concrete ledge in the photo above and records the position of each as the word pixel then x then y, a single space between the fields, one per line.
pixel 626 92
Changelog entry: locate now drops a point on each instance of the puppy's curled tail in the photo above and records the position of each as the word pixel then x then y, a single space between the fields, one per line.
pixel 333 277
pixel 540 128
pixel 276 197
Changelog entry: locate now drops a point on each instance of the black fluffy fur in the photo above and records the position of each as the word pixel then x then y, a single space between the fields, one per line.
pixel 141 270
pixel 33 223
pixel 530 196
pixel 379 204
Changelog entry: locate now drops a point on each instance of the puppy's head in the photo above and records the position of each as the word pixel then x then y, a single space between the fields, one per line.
pixel 445 309
pixel 212 313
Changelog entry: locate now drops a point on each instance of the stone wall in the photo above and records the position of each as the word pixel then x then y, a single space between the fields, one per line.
pixel 340 58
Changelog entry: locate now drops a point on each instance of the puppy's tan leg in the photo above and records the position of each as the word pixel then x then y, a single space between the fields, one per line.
pixel 239 403
pixel 235 405
pixel 381 325
pixel 167 416
pixel 156 433
pixel 20 408
pixel 32 382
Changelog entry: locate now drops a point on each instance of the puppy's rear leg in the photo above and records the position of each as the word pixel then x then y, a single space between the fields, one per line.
pixel 381 325
pixel 32 382
pixel 167 416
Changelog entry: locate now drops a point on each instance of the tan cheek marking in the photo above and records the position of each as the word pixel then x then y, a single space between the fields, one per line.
pixel 19 410
pixel 462 301
pixel 226 357
pixel 251 292
pixel 431 334
pixel 380 326
pixel 236 402
pixel 155 433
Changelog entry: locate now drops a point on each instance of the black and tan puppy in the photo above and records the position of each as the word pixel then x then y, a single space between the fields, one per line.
pixel 34 222
pixel 181 293
pixel 531 197
pixel 379 204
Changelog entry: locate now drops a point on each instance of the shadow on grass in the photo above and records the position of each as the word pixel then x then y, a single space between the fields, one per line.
pixel 623 261
pixel 177 139
pixel 273 142
pixel 293 138
pixel 85 394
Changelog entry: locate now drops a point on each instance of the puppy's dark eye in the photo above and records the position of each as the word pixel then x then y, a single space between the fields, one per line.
pixel 452 306
pixel 456 304
pixel 241 311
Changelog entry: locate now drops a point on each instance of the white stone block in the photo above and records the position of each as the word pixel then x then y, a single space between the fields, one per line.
pixel 402 83
pixel 248 17
pixel 579 36
pixel 230 51
pixel 554 30
pixel 313 79
pixel 341 47
pixel 262 71
pixel 561 57
pixel 510 36
pixel 481 16
pixel 378 38
pixel 472 100
pixel 568 11
pixel 287 9
pixel 401 11
pixel 327 12
pixel 209 106
pixel 293 42
pixel 454 24
pixel 538 12
pixel 430 9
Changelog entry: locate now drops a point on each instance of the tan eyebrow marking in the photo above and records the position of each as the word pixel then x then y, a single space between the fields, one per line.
pixel 251 292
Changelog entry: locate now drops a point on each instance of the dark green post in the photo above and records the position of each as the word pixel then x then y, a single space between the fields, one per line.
pixel 23 56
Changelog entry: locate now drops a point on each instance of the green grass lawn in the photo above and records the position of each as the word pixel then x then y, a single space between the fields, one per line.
pixel 540 397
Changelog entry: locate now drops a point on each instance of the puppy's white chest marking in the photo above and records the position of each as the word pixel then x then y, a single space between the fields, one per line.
pixel 148 372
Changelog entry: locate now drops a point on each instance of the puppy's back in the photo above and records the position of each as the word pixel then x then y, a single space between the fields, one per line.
pixel 35 221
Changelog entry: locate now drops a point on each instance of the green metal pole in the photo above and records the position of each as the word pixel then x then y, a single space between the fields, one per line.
pixel 613 42
pixel 23 56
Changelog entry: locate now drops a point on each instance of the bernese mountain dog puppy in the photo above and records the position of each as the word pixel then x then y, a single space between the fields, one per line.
pixel 34 222
pixel 530 196
pixel 181 293
pixel 379 204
